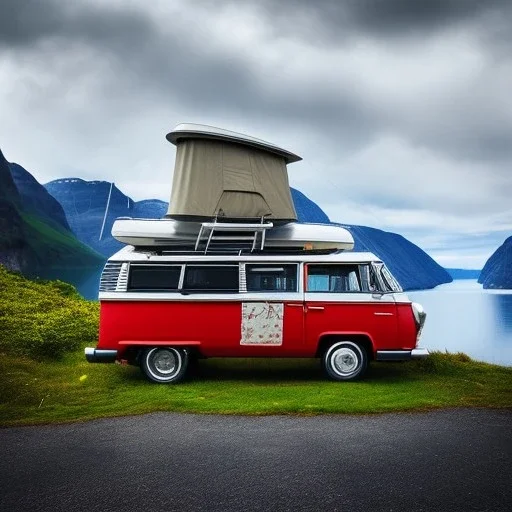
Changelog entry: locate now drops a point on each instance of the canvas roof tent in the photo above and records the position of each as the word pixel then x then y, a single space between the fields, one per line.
pixel 228 175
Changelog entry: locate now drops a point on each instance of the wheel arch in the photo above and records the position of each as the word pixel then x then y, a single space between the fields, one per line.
pixel 364 339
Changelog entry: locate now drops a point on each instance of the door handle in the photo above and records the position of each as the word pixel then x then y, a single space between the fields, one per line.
pixel 317 308
pixel 295 305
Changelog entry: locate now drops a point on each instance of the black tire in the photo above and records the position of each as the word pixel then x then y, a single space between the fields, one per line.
pixel 345 360
pixel 165 365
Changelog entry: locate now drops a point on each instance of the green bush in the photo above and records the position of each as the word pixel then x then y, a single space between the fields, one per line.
pixel 43 319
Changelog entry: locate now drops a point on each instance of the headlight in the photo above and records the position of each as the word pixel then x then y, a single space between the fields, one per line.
pixel 419 313
pixel 419 317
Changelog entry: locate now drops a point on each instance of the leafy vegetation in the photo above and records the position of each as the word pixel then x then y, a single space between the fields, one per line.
pixel 43 319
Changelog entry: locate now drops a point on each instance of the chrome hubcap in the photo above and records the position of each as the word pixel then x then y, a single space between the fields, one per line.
pixel 164 361
pixel 345 361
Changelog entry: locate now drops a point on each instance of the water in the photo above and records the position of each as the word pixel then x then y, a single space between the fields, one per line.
pixel 463 317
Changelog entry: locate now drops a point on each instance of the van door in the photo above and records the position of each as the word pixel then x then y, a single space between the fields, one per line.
pixel 272 310
pixel 338 301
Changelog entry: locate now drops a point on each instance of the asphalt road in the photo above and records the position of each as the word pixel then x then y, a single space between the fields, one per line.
pixel 447 460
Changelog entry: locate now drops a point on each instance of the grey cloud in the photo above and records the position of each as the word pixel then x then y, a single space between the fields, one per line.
pixel 165 64
pixel 393 17
pixel 27 23
pixel 149 66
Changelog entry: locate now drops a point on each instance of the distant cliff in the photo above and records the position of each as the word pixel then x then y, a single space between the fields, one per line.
pixel 497 272
pixel 34 235
pixel 307 210
pixel 85 202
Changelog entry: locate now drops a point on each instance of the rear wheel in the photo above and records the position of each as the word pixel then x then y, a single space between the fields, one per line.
pixel 345 360
pixel 165 365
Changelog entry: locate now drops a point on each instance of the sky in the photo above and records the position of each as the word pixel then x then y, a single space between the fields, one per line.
pixel 401 110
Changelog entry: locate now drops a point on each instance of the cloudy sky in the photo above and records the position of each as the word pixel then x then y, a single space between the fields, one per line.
pixel 401 109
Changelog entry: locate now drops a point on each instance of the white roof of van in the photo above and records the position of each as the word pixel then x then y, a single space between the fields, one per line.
pixel 130 254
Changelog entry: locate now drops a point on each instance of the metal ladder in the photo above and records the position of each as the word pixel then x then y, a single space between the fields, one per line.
pixel 227 236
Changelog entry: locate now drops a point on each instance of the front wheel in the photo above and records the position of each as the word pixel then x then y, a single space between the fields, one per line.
pixel 164 365
pixel 345 360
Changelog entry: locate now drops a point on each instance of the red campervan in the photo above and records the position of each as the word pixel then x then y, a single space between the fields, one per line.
pixel 228 272
pixel 161 310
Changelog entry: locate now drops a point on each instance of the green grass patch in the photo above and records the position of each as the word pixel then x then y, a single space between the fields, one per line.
pixel 34 392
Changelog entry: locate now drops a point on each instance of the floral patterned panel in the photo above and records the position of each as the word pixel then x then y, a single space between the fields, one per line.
pixel 262 323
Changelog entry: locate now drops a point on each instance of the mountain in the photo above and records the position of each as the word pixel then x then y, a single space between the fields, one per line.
pixel 36 199
pixel 307 210
pixel 463 273
pixel 85 202
pixel 497 271
pixel 34 235
pixel 413 268
pixel 13 253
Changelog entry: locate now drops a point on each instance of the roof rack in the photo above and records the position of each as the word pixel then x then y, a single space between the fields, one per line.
pixel 231 236
pixel 269 251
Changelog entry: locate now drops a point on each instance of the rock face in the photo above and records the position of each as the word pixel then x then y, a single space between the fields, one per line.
pixel 36 200
pixel 13 248
pixel 307 210
pixel 497 272
pixel 85 201
pixel 34 235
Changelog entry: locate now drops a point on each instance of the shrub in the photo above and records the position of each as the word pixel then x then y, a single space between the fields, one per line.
pixel 43 319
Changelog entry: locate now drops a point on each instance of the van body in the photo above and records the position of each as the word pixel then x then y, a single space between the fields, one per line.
pixel 161 310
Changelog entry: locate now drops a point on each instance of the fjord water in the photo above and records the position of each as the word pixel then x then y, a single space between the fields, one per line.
pixel 463 317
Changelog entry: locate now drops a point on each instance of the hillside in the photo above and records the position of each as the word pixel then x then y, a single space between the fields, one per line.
pixel 34 236
pixel 497 271
pixel 13 249
pixel 413 267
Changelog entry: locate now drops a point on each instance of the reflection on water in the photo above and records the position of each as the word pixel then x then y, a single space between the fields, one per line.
pixel 462 317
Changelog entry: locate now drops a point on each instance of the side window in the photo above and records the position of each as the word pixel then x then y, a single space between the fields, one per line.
pixel 389 281
pixel 271 278
pixel 367 278
pixel 154 277
pixel 333 278
pixel 211 278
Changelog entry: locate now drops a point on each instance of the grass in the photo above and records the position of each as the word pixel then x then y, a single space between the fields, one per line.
pixel 72 390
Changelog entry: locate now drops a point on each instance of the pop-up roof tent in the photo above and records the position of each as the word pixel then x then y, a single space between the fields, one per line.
pixel 227 175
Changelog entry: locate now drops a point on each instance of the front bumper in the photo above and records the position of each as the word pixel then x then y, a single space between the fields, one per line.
pixel 98 355
pixel 401 355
